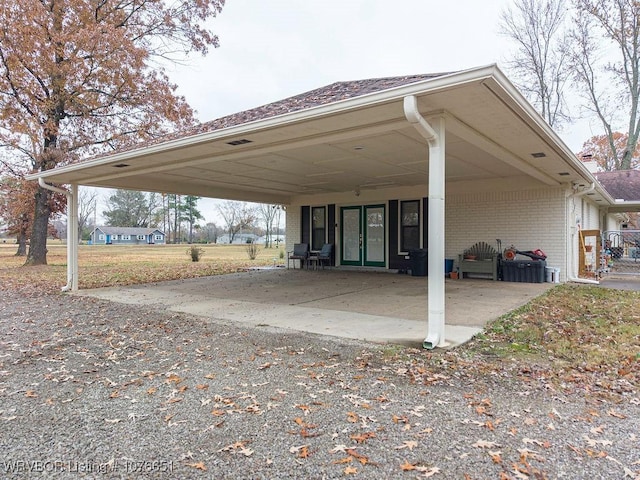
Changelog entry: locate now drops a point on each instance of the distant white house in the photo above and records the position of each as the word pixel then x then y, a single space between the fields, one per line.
pixel 241 238
pixel 238 238
pixel 126 236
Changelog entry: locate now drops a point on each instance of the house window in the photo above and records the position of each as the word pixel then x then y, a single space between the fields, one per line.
pixel 140 237
pixel 158 237
pixel 101 236
pixel 409 225
pixel 318 227
pixel 125 237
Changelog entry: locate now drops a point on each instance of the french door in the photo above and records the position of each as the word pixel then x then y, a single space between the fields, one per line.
pixel 363 235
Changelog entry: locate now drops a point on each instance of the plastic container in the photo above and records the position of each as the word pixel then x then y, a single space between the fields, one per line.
pixel 526 271
pixel 549 274
pixel 418 259
pixel 448 266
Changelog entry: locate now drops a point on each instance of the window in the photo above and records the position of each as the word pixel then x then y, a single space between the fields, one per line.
pixel 409 225
pixel 125 237
pixel 318 228
pixel 140 237
pixel 158 237
pixel 101 236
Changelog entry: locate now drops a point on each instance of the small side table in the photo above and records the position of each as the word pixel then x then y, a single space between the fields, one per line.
pixel 312 260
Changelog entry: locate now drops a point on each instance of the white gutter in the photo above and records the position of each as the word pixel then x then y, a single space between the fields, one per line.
pixel 435 240
pixel 72 232
pixel 572 271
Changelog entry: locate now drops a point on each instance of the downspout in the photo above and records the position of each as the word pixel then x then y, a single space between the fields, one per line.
pixel 573 274
pixel 436 302
pixel 72 232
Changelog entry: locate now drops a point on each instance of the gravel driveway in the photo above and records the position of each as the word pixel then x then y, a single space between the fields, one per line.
pixel 95 389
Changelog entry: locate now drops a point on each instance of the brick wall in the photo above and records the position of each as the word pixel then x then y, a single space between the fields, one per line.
pixel 528 219
pixel 293 227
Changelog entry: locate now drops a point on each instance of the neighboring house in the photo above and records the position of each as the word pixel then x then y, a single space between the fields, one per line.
pixel 126 236
pixel 623 186
pixel 381 167
pixel 238 238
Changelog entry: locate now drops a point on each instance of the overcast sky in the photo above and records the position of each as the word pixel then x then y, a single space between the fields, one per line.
pixel 272 49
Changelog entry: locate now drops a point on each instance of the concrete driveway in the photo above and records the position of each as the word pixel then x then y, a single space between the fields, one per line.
pixel 372 306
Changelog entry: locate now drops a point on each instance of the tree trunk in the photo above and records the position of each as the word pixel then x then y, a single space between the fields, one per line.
pixel 22 245
pixel 38 244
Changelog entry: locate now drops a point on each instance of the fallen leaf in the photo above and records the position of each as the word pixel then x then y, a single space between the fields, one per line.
pixel 31 394
pixel 152 390
pixel 202 386
pixel 485 444
pixel 198 466
pixel 352 417
pixel 348 459
pixel 407 467
pixel 363 437
pixel 495 456
pixel 173 378
pixel 613 413
pixel 410 444
pixel 350 470
pixel 428 472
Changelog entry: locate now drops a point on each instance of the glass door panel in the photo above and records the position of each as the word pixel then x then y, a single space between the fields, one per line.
pixel 374 235
pixel 351 236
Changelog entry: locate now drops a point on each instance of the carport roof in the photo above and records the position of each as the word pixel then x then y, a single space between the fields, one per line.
pixel 344 137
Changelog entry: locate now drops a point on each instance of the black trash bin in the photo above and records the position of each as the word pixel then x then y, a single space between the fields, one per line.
pixel 418 258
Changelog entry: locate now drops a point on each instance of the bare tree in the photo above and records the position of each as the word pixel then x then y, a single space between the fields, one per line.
pixel 539 66
pixel 237 216
pixel 267 213
pixel 87 206
pixel 606 63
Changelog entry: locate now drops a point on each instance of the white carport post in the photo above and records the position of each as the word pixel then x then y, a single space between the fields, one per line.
pixel 72 238
pixel 72 232
pixel 434 133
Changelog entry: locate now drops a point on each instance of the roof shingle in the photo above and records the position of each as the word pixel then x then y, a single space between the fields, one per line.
pixel 621 184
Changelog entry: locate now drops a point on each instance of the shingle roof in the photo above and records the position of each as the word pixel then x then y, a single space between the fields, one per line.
pixel 320 96
pixel 621 184
pixel 314 98
pixel 127 230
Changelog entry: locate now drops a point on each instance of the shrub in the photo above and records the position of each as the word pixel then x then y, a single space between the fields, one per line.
pixel 252 250
pixel 195 252
pixel 281 254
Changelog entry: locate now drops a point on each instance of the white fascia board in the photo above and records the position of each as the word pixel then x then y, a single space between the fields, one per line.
pixel 425 86
pixel 554 138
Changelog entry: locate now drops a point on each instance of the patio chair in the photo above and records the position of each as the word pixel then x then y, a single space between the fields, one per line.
pixel 324 255
pixel 300 252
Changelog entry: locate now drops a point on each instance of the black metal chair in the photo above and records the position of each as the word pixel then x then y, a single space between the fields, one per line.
pixel 300 252
pixel 324 255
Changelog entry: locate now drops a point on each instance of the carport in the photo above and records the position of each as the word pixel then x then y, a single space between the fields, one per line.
pixel 373 140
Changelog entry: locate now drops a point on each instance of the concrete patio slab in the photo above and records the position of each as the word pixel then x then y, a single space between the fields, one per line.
pixel 378 307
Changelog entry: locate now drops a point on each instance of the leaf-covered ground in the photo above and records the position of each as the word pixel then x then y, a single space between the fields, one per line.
pixel 116 391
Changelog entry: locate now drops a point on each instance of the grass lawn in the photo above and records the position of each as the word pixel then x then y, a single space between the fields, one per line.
pixel 107 265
